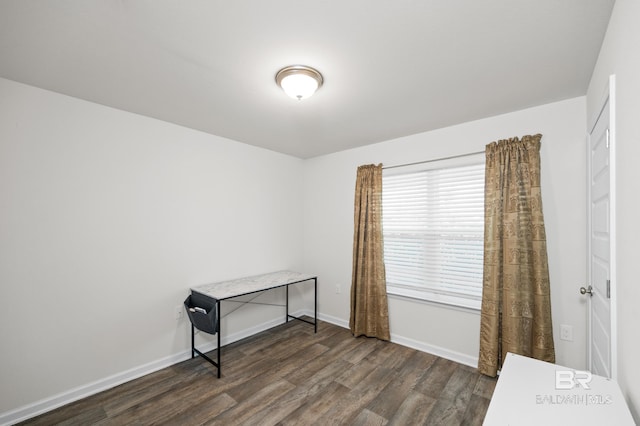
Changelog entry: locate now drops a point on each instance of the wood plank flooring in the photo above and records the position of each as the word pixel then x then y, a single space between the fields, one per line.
pixel 290 376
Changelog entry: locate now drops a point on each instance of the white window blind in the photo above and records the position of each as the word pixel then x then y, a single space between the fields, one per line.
pixel 433 225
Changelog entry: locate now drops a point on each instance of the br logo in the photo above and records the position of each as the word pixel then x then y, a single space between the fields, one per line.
pixel 569 379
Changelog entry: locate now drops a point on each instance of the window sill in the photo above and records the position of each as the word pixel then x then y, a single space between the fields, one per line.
pixel 442 303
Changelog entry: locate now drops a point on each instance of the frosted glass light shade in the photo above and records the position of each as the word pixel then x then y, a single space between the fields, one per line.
pixel 299 86
pixel 299 81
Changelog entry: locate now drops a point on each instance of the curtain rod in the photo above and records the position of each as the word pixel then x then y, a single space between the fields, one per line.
pixel 435 159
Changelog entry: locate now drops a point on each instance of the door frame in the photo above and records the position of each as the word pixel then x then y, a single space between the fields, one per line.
pixel 610 96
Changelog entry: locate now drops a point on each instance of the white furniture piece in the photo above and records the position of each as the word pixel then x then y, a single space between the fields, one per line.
pixel 533 392
pixel 207 316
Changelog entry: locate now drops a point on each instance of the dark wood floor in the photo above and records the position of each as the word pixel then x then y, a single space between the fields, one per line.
pixel 290 376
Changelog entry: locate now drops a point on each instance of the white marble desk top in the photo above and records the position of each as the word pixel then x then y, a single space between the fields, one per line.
pixel 238 287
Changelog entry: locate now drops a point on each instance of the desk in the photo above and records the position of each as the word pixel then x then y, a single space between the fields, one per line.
pixel 532 392
pixel 226 290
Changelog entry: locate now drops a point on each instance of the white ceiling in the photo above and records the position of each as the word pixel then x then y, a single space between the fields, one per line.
pixel 391 67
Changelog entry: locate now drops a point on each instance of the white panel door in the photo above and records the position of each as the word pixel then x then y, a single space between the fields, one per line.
pixel 601 351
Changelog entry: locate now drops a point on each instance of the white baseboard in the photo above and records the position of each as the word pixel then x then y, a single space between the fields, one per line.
pixel 458 357
pixel 39 407
pixel 414 344
pixel 51 403
pixel 333 320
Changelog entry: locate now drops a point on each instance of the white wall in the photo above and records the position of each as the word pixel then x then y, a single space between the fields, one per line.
pixel 106 219
pixel 328 225
pixel 620 55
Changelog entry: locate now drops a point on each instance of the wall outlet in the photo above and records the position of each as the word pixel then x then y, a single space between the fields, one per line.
pixel 179 312
pixel 566 333
pixel 338 289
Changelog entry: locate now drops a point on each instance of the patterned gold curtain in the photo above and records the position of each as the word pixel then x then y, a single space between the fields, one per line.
pixel 516 305
pixel 369 310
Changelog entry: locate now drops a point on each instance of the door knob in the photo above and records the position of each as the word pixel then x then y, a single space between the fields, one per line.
pixel 588 290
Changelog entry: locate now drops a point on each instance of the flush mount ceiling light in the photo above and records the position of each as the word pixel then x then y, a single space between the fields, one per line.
pixel 299 81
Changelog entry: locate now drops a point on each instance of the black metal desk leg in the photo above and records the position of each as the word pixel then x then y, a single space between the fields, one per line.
pixel 286 315
pixel 193 341
pixel 315 305
pixel 219 329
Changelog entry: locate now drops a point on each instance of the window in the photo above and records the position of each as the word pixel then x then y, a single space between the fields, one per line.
pixel 433 225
